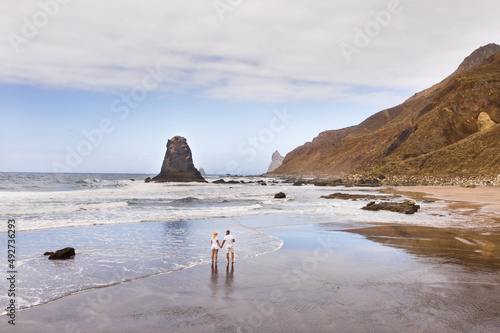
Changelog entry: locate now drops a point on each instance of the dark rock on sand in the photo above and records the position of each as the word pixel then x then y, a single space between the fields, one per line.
pixel 298 183
pixel 48 253
pixel 406 207
pixel 327 182
pixel 280 195
pixel 147 180
pixel 368 182
pixel 347 196
pixel 178 163
pixel 66 253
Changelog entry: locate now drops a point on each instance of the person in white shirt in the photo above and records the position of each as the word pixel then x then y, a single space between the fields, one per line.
pixel 229 246
pixel 215 246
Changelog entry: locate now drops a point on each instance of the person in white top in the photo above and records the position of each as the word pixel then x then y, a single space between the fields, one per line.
pixel 229 246
pixel 215 246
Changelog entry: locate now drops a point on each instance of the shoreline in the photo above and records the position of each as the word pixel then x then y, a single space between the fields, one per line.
pixel 356 279
pixel 488 196
pixel 360 257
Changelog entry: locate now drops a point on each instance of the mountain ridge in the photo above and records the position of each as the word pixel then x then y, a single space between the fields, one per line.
pixel 411 137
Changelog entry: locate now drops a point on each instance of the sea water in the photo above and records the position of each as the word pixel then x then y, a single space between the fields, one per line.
pixel 124 228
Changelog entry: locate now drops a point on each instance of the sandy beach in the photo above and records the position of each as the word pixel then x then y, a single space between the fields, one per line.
pixel 325 278
pixel 479 203
pixel 488 196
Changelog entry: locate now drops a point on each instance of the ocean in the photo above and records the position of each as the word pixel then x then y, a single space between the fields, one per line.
pixel 124 228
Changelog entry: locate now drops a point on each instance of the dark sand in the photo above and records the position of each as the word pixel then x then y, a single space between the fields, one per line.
pixel 368 278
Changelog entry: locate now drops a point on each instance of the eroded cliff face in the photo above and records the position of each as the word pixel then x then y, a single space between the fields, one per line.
pixel 276 161
pixel 450 129
pixel 178 163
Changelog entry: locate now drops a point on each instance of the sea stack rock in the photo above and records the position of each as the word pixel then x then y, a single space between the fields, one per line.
pixel 276 162
pixel 202 172
pixel 178 163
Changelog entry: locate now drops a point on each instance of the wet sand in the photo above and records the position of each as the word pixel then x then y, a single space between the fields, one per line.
pixel 325 278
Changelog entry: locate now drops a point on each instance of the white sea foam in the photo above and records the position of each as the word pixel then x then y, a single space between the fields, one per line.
pixel 147 202
pixel 110 254
pixel 121 248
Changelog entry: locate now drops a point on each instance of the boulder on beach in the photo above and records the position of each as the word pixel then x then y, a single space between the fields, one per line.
pixel 348 196
pixel 178 163
pixel 406 207
pixel 63 254
pixel 280 195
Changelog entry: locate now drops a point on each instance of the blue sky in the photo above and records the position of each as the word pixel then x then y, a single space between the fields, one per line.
pixel 101 87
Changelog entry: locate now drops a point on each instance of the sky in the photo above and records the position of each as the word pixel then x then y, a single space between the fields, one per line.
pixel 100 86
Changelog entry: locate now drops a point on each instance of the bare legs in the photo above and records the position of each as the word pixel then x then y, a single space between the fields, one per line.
pixel 215 253
pixel 232 257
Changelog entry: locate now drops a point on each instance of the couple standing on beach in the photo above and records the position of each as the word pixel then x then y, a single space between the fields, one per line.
pixel 229 246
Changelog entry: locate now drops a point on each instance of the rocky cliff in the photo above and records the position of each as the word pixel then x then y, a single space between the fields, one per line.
pixel 276 161
pixel 450 129
pixel 178 163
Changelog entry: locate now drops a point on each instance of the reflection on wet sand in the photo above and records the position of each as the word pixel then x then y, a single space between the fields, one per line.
pixel 474 249
pixel 229 279
pixel 214 280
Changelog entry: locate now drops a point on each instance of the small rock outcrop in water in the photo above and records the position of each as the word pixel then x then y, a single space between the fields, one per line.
pixel 63 254
pixel 347 196
pixel 222 181
pixel 276 161
pixel 280 195
pixel 178 163
pixel 202 172
pixel 406 207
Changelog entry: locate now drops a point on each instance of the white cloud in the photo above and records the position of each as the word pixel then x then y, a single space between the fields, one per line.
pixel 263 50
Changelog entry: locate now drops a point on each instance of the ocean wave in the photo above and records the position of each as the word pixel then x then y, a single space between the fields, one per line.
pixel 44 210
pixel 101 183
pixel 185 200
pixel 121 253
pixel 150 202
